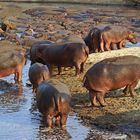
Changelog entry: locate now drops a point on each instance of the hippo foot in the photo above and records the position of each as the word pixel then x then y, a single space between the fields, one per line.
pixel 133 94
pixel 103 104
pixel 63 127
pixel 94 105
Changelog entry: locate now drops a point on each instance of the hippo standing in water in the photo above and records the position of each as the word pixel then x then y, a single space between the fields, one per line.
pixel 12 62
pixel 111 74
pixel 53 101
pixel 37 73
pixel 115 35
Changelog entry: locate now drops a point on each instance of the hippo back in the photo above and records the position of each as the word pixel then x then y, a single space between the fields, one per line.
pixel 49 94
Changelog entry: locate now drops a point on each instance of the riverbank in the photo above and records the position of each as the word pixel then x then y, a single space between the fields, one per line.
pixel 89 2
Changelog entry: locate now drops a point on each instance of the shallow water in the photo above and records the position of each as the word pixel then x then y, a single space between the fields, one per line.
pixel 19 118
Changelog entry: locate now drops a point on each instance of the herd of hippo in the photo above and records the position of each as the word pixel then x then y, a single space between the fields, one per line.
pixel 53 97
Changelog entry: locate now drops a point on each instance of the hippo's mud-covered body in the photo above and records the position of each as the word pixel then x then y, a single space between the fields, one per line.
pixel 111 74
pixel 53 101
pixel 65 55
pixel 115 34
pixel 37 73
pixel 35 48
pixel 12 62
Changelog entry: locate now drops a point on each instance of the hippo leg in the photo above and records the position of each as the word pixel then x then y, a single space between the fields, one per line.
pixel 100 98
pixel 15 77
pixel 107 46
pixel 34 88
pixel 102 46
pixel 131 88
pixel 49 121
pixel 126 90
pixel 77 67
pixel 59 70
pixel 82 68
pixel 92 97
pixel 121 44
pixel 18 77
pixel 57 121
pixel 63 121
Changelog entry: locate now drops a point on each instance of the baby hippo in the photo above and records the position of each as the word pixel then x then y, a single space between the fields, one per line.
pixel 111 74
pixel 53 101
pixel 37 73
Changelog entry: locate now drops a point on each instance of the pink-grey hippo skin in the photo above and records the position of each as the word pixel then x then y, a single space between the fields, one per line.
pixel 12 62
pixel 53 101
pixel 65 55
pixel 111 74
pixel 37 73
pixel 34 51
pixel 115 34
pixel 93 39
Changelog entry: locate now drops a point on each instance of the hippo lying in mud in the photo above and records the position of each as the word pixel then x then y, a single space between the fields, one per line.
pixel 37 73
pixel 115 35
pixel 34 50
pixel 65 55
pixel 12 62
pixel 53 101
pixel 111 74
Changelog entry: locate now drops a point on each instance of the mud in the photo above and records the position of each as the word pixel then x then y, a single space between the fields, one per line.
pixel 120 119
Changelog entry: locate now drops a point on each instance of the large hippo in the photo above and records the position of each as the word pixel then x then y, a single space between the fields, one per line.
pixel 116 35
pixel 34 50
pixel 37 73
pixel 53 101
pixel 65 55
pixel 12 62
pixel 110 74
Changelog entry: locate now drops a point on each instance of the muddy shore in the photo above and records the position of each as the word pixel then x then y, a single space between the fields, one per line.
pixel 122 114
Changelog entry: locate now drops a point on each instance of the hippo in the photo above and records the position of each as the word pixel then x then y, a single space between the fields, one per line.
pixel 65 55
pixel 37 73
pixel 115 35
pixel 111 74
pixel 92 40
pixel 53 101
pixel 12 62
pixel 34 50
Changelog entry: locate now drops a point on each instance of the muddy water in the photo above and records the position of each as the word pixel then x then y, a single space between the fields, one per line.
pixel 19 118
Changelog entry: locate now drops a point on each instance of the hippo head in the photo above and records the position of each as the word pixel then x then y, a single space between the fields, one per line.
pixel 131 37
